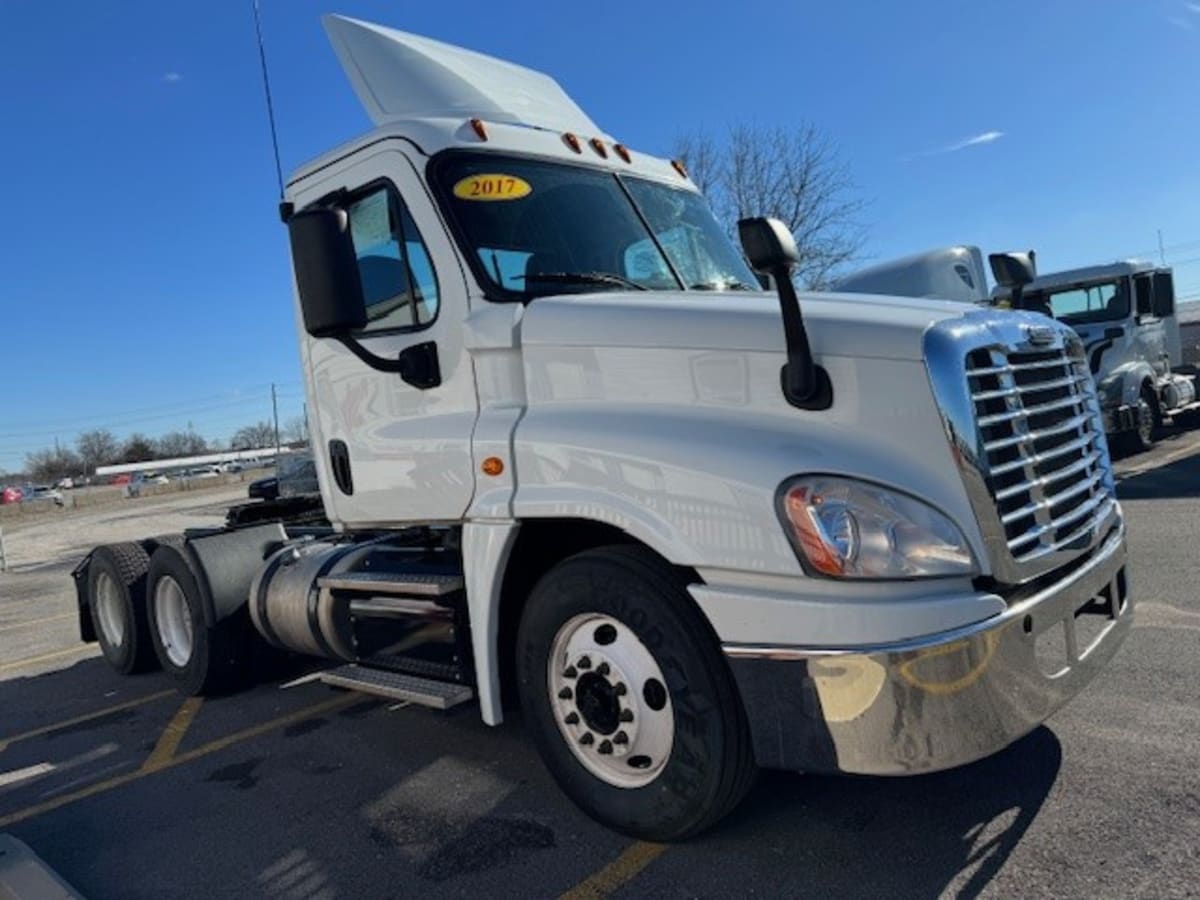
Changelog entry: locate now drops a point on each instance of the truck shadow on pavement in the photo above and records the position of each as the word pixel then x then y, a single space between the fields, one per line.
pixel 947 833
pixel 1178 478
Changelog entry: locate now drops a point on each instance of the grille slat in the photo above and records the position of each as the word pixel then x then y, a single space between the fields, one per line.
pixel 1030 388
pixel 1043 460
pixel 1063 428
pixel 1029 411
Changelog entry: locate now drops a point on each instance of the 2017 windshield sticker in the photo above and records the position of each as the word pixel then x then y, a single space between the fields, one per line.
pixel 492 187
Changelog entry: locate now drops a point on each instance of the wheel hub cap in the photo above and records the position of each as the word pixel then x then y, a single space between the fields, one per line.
pixel 610 702
pixel 109 610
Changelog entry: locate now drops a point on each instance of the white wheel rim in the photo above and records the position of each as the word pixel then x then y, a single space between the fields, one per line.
pixel 173 620
pixel 1145 421
pixel 110 611
pixel 610 701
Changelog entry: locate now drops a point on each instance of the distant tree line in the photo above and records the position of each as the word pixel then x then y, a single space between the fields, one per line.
pixel 100 447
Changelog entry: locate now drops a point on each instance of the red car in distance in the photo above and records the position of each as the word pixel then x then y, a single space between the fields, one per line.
pixel 11 495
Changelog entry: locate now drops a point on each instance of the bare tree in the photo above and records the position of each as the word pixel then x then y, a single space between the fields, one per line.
pixel 51 465
pixel 181 443
pixel 254 437
pixel 295 430
pixel 138 448
pixel 792 174
pixel 97 448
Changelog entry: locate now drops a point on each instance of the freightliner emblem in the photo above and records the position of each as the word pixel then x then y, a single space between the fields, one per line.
pixel 1039 335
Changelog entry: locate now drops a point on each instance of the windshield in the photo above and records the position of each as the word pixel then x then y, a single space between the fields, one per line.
pixel 537 227
pixel 1095 303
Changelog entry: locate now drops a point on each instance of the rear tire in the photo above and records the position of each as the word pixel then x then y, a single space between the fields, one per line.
pixel 203 660
pixel 631 703
pixel 117 605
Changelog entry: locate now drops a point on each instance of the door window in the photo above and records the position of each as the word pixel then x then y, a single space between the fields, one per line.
pixel 398 281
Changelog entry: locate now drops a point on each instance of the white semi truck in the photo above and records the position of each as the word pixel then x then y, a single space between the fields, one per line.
pixel 574 458
pixel 1124 312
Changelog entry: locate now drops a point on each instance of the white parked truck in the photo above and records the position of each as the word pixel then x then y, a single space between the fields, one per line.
pixel 575 458
pixel 1125 314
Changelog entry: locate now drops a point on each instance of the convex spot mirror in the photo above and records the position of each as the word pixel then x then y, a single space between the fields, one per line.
pixel 1013 269
pixel 327 276
pixel 768 244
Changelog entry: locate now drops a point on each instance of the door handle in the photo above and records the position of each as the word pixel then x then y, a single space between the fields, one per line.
pixel 418 365
pixel 339 461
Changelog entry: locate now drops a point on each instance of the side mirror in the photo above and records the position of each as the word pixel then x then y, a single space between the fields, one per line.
pixel 1013 270
pixel 327 276
pixel 1164 294
pixel 768 245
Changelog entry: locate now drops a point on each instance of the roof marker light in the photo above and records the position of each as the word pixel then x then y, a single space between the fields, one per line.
pixel 623 152
pixel 598 146
pixel 678 167
pixel 478 127
pixel 572 142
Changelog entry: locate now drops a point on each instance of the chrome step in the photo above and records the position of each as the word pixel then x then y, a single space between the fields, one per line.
pixel 382 683
pixel 401 584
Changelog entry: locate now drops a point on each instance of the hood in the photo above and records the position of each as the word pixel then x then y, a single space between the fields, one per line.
pixel 852 325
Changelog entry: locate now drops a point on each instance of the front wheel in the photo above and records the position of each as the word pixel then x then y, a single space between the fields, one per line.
pixel 1149 420
pixel 632 705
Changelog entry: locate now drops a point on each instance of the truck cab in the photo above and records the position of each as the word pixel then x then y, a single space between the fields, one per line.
pixel 1125 314
pixel 574 458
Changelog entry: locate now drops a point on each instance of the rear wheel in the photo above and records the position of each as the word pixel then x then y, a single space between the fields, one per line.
pixel 201 659
pixel 631 702
pixel 117 605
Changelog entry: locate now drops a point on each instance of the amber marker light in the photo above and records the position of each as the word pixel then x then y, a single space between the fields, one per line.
pixel 623 152
pixel 493 466
pixel 678 167
pixel 478 127
pixel 572 142
pixel 598 146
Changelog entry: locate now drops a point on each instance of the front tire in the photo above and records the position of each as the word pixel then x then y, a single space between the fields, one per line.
pixel 117 605
pixel 631 703
pixel 1149 422
pixel 203 660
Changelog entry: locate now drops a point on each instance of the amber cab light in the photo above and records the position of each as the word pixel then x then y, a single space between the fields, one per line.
pixel 478 127
pixel 573 142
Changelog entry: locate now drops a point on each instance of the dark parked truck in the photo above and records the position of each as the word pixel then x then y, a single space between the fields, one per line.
pixel 573 456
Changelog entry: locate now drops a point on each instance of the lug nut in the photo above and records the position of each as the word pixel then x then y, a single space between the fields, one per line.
pixel 565 694
pixel 585 662
pixel 572 718
pixel 605 747
pixel 620 689
pixel 626 715
pixel 570 673
pixel 620 738
pixel 588 739
pixel 602 669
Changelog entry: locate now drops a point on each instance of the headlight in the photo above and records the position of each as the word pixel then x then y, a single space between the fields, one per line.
pixel 851 529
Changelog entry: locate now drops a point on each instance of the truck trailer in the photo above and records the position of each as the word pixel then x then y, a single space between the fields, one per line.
pixel 575 459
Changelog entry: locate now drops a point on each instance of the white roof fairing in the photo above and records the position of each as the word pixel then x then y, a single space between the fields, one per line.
pixel 399 76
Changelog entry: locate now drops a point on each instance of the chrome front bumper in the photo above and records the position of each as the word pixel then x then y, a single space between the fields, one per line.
pixel 940 701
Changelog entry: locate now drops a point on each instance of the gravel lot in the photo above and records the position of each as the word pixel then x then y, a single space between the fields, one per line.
pixel 310 793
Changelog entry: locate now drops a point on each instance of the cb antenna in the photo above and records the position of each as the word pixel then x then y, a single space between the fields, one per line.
pixel 262 58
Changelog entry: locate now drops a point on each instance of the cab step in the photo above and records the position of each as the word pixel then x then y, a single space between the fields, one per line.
pixel 397 686
pixel 398 584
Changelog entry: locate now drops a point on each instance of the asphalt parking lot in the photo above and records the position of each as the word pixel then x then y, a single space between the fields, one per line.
pixel 128 790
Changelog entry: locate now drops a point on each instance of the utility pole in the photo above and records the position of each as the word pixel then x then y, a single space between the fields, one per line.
pixel 1162 257
pixel 275 413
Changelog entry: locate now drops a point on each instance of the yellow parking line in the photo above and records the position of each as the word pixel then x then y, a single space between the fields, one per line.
pixel 46 657
pixel 211 747
pixel 617 873
pixel 168 742
pixel 108 710
pixel 32 622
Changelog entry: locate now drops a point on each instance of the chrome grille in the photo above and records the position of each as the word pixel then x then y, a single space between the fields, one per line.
pixel 1042 453
pixel 1027 425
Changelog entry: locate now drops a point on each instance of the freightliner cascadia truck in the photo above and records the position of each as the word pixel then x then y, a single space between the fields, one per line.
pixel 577 461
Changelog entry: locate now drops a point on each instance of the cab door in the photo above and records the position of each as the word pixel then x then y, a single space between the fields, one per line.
pixel 393 447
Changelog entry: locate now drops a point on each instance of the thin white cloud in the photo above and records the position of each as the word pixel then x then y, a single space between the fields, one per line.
pixel 1180 23
pixel 172 77
pixel 1194 7
pixel 975 140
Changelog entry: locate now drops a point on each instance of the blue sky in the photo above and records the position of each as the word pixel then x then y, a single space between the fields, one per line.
pixel 146 280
